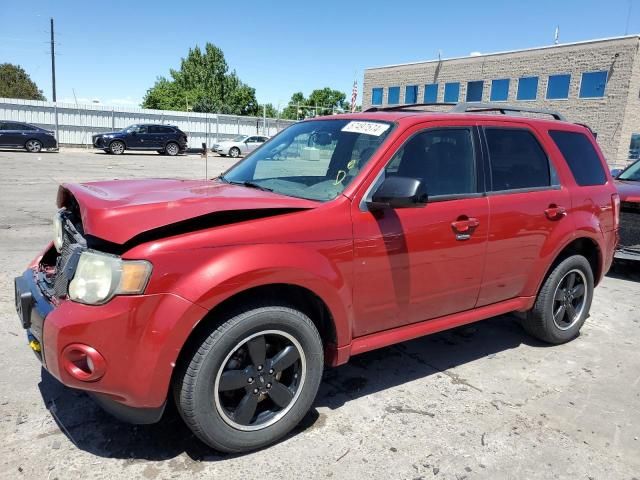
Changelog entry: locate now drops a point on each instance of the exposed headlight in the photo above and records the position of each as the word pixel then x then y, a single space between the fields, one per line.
pixel 100 276
pixel 58 238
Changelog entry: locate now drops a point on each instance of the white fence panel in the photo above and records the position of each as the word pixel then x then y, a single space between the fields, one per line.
pixel 77 123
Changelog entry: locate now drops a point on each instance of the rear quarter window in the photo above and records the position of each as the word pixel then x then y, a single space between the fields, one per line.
pixel 581 156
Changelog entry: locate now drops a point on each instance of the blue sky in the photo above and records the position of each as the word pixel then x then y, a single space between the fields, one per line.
pixel 113 51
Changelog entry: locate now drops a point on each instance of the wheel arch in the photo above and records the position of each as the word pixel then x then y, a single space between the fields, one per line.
pixel 33 138
pixel 585 246
pixel 117 140
pixel 295 296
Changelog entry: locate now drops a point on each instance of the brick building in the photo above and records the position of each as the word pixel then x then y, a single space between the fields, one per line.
pixel 596 82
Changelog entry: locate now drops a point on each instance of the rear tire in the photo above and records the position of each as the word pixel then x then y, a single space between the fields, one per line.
pixel 33 146
pixel 116 147
pixel 172 149
pixel 251 380
pixel 563 303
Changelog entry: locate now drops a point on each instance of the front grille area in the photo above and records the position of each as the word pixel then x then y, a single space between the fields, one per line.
pixel 630 226
pixel 67 260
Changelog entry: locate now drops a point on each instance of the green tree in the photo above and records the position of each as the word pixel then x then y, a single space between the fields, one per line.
pixel 293 111
pixel 324 101
pixel 328 99
pixel 203 84
pixel 16 83
pixel 269 110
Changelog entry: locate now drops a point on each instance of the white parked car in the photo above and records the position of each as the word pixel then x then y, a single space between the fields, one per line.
pixel 240 145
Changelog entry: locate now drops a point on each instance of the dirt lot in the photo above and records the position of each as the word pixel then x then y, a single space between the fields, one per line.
pixel 481 402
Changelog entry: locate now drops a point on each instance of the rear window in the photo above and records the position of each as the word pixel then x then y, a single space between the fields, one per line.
pixel 517 160
pixel 582 158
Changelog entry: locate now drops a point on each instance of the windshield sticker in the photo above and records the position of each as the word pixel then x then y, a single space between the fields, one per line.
pixel 368 128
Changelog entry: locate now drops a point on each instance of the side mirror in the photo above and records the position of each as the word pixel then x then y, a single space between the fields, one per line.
pixel 399 192
pixel 615 172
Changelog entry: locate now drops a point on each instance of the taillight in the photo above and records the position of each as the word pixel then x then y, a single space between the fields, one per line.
pixel 615 200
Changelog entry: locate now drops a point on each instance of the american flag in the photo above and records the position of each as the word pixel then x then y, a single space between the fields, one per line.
pixel 354 96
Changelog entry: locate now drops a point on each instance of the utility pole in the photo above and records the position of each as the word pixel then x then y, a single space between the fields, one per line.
pixel 53 82
pixel 264 119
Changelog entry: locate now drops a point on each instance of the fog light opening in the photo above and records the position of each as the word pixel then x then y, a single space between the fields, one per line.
pixel 83 362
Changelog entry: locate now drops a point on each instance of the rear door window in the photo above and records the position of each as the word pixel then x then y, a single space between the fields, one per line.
pixel 517 160
pixel 582 158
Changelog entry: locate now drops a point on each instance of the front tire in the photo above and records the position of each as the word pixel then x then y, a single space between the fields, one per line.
pixel 234 152
pixel 33 146
pixel 116 147
pixel 563 303
pixel 252 379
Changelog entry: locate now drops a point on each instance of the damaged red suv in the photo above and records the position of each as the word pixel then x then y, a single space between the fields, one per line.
pixel 339 235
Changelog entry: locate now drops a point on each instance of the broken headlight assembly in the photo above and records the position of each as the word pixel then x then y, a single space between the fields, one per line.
pixel 100 276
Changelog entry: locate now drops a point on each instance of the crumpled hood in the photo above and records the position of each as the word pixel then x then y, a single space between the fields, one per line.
pixel 119 210
pixel 629 191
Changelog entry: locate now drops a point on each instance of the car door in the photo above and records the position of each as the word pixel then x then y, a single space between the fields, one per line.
pixel 251 144
pixel 155 137
pixel 3 138
pixel 527 205
pixel 13 134
pixel 415 264
pixel 140 138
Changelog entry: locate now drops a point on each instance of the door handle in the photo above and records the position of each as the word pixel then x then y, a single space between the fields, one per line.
pixel 554 212
pixel 464 227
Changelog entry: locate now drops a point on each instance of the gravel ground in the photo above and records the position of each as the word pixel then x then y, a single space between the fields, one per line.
pixel 485 401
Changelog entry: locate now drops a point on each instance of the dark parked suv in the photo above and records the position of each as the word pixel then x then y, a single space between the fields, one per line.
pixel 165 139
pixel 22 135
pixel 228 296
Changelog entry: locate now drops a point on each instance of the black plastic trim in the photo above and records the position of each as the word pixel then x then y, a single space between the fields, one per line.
pixel 125 413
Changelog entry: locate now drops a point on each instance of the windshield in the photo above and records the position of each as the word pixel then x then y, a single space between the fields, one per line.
pixel 632 173
pixel 239 138
pixel 315 159
pixel 131 129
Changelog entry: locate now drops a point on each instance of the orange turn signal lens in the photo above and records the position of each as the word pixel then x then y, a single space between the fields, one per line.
pixel 134 277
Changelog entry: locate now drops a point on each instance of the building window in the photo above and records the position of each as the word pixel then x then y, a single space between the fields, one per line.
pixel 558 87
pixel 431 93
pixel 500 90
pixel 451 92
pixel 634 147
pixel 593 84
pixel 376 96
pixel 394 96
pixel 474 91
pixel 527 88
pixel 411 94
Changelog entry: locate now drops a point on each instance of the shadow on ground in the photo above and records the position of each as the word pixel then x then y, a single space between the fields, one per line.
pixel 96 432
pixel 625 270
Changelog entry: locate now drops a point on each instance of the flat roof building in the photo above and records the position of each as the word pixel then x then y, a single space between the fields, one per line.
pixel 595 82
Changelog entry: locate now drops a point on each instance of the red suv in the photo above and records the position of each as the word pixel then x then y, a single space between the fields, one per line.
pixel 339 235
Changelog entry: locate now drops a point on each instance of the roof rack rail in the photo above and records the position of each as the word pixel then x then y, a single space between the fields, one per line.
pixel 409 106
pixel 466 107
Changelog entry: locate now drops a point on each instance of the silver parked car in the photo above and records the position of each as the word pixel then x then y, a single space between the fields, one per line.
pixel 240 145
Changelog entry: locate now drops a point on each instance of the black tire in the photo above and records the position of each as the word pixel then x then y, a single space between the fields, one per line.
pixel 560 310
pixel 172 149
pixel 117 147
pixel 33 146
pixel 198 385
pixel 234 152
